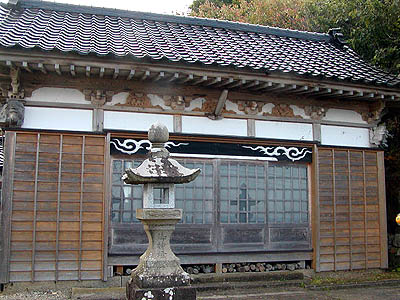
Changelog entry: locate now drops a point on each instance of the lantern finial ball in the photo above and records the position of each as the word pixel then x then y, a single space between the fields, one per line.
pixel 158 133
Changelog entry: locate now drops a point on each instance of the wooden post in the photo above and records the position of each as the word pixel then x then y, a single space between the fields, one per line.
pixel 315 220
pixel 382 209
pixel 106 203
pixel 6 206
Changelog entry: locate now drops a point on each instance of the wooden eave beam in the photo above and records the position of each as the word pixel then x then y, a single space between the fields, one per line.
pixel 26 66
pixel 200 80
pixel 116 73
pixel 131 74
pixel 42 68
pixel 214 81
pixel 224 83
pixel 33 57
pixel 72 70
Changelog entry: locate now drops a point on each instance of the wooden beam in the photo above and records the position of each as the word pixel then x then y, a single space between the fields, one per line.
pixel 277 87
pixel 174 77
pixel 300 90
pixel 131 74
pixel 159 76
pixel 187 79
pixel 101 74
pixel 42 68
pixel 321 92
pixel 214 81
pixel 9 63
pixel 309 91
pixel 225 82
pixel 236 84
pixel 221 103
pixel 250 84
pixel 116 73
pixel 262 86
pixel 72 70
pixel 200 80
pixel 88 68
pixel 58 69
pixel 145 75
pixel 26 66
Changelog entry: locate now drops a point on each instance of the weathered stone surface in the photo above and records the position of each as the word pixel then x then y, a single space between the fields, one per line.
pixel 159 214
pixel 181 293
pixel 158 266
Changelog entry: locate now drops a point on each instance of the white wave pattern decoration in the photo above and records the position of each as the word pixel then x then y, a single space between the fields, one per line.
pixel 169 144
pixel 291 153
pixel 129 146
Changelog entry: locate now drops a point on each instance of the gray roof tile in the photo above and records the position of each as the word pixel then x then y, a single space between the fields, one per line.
pixel 99 31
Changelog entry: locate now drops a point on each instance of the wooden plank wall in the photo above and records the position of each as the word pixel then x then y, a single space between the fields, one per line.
pixel 352 233
pixel 57 207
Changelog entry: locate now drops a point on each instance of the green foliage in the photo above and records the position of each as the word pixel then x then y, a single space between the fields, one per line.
pixel 218 3
pixel 372 27
pixel 277 13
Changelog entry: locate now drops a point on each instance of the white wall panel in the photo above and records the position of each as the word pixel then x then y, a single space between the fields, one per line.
pixel 58 118
pixel 284 130
pixel 58 95
pixel 343 115
pixel 204 125
pixel 135 121
pixel 344 136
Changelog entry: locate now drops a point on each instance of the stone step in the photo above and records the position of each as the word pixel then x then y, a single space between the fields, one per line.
pixel 201 288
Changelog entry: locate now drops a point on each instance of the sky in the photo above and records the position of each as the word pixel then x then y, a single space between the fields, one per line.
pixel 156 6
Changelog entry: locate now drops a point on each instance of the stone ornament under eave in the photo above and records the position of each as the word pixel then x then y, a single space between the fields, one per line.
pixel 159 273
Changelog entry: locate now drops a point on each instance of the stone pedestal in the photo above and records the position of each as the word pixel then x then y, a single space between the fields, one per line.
pixel 159 272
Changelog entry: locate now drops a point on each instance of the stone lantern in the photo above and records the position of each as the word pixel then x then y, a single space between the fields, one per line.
pixel 159 275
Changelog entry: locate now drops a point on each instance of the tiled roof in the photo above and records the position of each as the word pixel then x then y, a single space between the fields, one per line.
pixel 142 36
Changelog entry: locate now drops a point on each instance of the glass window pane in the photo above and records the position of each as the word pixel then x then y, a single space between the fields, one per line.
pixel 287 172
pixel 209 194
pixel 288 217
pixel 279 206
pixel 189 218
pixel 224 181
pixel 127 191
pixel 260 206
pixel 260 194
pixel 128 164
pixel 179 204
pixel 224 205
pixel 115 216
pixel 279 195
pixel 252 206
pixel 198 218
pixel 115 204
pixel 260 171
pixel 208 218
pixel 223 169
pixel 279 217
pixel 296 218
pixel 224 218
pixel 243 205
pixel 242 218
pixel 116 191
pixel 127 204
pixel 208 169
pixel 117 166
pixel 208 206
pixel 288 206
pixel 126 217
pixel 252 218
pixel 288 194
pixel 179 192
pixel 116 178
pixel 138 192
pixel 296 206
pixel 233 205
pixel 233 218
pixel 224 194
pixel 260 218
